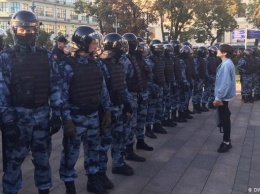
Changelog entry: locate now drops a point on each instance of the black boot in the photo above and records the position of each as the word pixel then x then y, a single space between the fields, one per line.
pixel 70 187
pixel 175 118
pixel 251 100
pixel 45 191
pixel 168 123
pixel 130 155
pixel 190 112
pixel 256 97
pixel 124 170
pixel 204 108
pixel 182 117
pixel 141 145
pixel 105 182
pixel 243 98
pixel 196 109
pixel 94 185
pixel 211 106
pixel 187 115
pixel 246 99
pixel 149 133
pixel 157 128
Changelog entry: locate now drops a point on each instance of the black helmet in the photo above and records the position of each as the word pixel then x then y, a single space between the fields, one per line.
pixel 142 50
pixel 212 51
pixel 168 50
pixel 165 42
pixel 132 41
pixel 187 44
pixel 185 52
pixel 155 41
pixel 139 39
pixel 83 37
pixel 202 51
pixel 114 42
pixel 25 28
pixel 247 52
pixel 176 46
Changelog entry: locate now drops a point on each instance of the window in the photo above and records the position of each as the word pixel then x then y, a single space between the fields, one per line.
pixel 49 28
pixel 73 15
pixel 24 6
pixel 94 19
pixel 84 17
pixel 62 29
pixel 72 29
pixel 15 7
pixel 241 11
pixel 42 27
pixel 4 25
pixel 61 13
pixel 3 7
pixel 49 12
pixel 39 10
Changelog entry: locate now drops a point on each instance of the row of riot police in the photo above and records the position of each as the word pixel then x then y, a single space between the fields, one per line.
pixel 103 101
pixel 249 70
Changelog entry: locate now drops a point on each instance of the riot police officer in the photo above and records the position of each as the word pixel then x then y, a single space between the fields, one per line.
pixel 28 82
pixel 2 35
pixel 201 74
pixel 84 91
pixel 246 68
pixel 114 48
pixel 155 87
pixel 58 50
pixel 137 87
pixel 213 62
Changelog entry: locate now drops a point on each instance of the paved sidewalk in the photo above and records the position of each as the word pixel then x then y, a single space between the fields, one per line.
pixel 184 161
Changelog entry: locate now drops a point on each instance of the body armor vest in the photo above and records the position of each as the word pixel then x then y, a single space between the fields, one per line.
pixel 249 67
pixel 86 85
pixel 116 83
pixel 158 71
pixel 212 66
pixel 177 68
pixel 30 80
pixel 202 68
pixel 169 69
pixel 138 82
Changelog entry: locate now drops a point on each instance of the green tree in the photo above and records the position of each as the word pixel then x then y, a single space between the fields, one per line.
pixel 9 39
pixel 253 15
pixel 215 16
pixel 129 14
pixel 43 39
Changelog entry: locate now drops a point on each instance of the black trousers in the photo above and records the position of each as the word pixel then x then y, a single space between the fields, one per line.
pixel 224 116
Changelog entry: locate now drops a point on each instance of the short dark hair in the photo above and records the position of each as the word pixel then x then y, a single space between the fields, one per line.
pixel 225 48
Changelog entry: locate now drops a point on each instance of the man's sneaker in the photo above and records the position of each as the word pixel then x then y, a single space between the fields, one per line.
pixel 224 147
pixel 124 170
pixel 141 145
pixel 105 182
pixel 150 134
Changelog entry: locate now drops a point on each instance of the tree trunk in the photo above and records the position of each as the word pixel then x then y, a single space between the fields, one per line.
pixel 162 30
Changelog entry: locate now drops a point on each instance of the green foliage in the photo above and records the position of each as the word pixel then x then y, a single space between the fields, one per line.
pixel 9 39
pixel 253 13
pixel 214 15
pixel 43 39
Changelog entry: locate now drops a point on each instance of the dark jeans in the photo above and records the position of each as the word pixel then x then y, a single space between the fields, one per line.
pixel 224 115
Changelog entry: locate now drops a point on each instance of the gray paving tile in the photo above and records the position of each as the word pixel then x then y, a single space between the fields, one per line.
pixel 204 161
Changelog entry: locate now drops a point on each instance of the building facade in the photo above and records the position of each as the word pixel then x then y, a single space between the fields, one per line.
pixel 57 16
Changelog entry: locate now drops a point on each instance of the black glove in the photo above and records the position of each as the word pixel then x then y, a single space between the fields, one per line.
pixel 140 99
pixel 11 131
pixel 54 124
pixel 106 120
pixel 127 108
pixel 69 129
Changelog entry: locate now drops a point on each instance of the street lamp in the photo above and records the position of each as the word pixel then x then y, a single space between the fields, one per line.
pixel 116 14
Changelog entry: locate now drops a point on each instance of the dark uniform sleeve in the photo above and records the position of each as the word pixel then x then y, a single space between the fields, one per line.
pixel 55 89
pixel 6 109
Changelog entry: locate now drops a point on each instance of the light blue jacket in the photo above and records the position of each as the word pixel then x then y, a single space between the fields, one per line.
pixel 225 86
